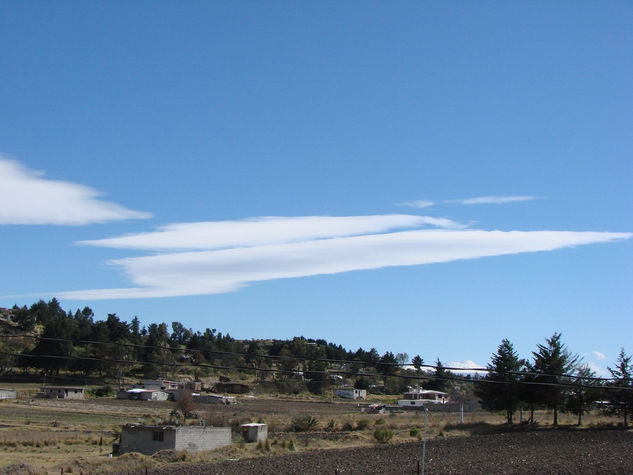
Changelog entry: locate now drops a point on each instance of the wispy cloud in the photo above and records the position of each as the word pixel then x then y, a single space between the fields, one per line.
pixel 417 203
pixel 598 355
pixel 491 200
pixel 225 270
pixel 265 230
pixel 26 197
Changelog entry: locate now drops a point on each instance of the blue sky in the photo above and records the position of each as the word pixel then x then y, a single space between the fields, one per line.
pixel 422 177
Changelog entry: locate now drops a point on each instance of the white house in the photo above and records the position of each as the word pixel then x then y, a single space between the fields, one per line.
pixel 418 397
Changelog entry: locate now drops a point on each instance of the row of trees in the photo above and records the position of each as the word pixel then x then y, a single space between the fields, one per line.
pixel 554 378
pixel 54 341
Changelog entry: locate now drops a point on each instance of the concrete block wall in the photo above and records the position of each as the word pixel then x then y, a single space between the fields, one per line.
pixel 197 438
pixel 141 440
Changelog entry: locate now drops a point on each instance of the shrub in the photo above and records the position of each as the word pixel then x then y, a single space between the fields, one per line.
pixel 362 424
pixel 383 435
pixel 303 423
pixel 380 421
pixel 415 432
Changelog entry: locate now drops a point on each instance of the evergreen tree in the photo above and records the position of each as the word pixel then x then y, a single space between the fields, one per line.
pixel 551 362
pixel 500 390
pixel 622 375
pixel 580 397
pixel 440 377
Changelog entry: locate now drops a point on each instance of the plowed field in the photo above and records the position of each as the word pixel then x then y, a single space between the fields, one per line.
pixel 544 451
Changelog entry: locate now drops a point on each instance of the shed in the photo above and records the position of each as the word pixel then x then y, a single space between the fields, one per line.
pixel 7 393
pixel 148 439
pixel 352 393
pixel 254 432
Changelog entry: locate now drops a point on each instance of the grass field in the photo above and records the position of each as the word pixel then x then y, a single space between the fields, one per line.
pixel 44 436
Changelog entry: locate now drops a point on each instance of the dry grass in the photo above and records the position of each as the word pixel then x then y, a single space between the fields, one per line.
pixel 44 436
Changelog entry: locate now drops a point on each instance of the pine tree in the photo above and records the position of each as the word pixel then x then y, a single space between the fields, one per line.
pixel 622 374
pixel 551 362
pixel 499 390
pixel 580 397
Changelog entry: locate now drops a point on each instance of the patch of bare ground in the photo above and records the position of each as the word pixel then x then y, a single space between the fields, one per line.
pixel 521 452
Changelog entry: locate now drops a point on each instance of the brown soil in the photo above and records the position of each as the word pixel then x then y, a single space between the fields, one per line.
pixel 543 451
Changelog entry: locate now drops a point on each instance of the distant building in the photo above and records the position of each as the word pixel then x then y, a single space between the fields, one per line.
pixel 7 393
pixel 214 399
pixel 165 384
pixel 142 394
pixel 51 392
pixel 254 432
pixel 147 439
pixel 352 393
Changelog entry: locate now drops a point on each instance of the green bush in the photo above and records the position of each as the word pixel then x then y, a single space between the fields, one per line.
pixel 304 423
pixel 415 432
pixel 383 435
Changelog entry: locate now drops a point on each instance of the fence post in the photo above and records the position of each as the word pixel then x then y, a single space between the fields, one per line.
pixel 426 418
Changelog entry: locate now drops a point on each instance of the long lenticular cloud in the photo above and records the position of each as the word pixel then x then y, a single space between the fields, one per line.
pixel 265 230
pixel 221 271
pixel 480 200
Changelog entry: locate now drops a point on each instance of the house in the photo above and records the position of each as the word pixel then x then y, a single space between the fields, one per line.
pixel 53 392
pixel 352 393
pixel 147 439
pixel 254 432
pixel 7 393
pixel 165 384
pixel 418 397
pixel 143 394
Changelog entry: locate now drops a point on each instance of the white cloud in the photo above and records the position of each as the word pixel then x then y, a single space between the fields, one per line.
pixel 417 203
pixel 467 367
pixel 220 271
pixel 491 200
pixel 265 230
pixel 26 197
pixel 598 355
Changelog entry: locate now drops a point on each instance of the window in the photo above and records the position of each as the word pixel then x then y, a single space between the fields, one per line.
pixel 158 436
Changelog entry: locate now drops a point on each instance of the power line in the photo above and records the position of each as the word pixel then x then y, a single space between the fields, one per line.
pixel 306 358
pixel 322 372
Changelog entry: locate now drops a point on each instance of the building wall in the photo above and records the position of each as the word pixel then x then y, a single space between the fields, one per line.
pixel 141 440
pixel 197 438
pixel 255 433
